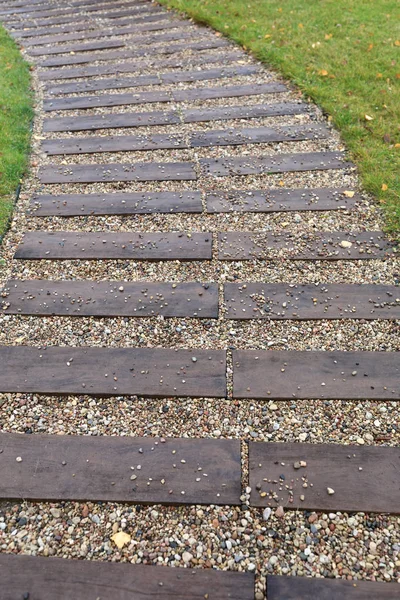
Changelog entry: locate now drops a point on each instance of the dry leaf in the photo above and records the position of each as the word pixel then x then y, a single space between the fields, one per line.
pixel 301 26
pixel 120 539
pixel 328 36
pixel 397 43
pixel 281 183
pixel 384 187
pixel 370 47
pixel 323 72
pixel 348 193
pixel 368 118
pixel 267 36
pixel 397 145
pixel 378 75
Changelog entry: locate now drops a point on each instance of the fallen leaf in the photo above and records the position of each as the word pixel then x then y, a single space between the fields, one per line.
pixel 348 193
pixel 267 36
pixel 328 36
pixel 397 43
pixel 378 75
pixel 120 539
pixel 368 118
pixel 281 183
pixel 384 187
pixel 370 47
pixel 323 72
pixel 397 145
pixel 301 26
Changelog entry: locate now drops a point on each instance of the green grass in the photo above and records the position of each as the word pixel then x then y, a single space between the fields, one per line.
pixel 342 54
pixel 16 113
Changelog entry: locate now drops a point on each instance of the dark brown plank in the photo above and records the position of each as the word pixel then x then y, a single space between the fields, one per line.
pixel 280 163
pixel 219 137
pixel 43 12
pixel 70 37
pixel 224 113
pixel 284 375
pixel 307 588
pixel 112 121
pixel 42 31
pixel 78 102
pixel 127 82
pixel 118 172
pixel 323 301
pixel 62 245
pixel 138 65
pixel 99 468
pixel 232 91
pixel 61 49
pixel 61 61
pixel 104 45
pixel 149 372
pixel 109 299
pixel 117 203
pixel 318 245
pixel 279 200
pixel 49 578
pixel 363 478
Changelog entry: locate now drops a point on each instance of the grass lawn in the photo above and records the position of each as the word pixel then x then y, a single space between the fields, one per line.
pixel 344 55
pixel 16 113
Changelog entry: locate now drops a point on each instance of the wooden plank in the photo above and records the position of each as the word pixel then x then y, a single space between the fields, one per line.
pixel 306 588
pixel 279 163
pixel 104 45
pixel 316 245
pixel 117 172
pixel 279 200
pixel 110 299
pixel 69 37
pixel 49 578
pixel 148 372
pixel 323 301
pixel 364 479
pixel 61 61
pixel 99 468
pixel 139 65
pixel 23 33
pixel 116 203
pixel 117 121
pixel 127 82
pixel 65 245
pixel 285 375
pixel 61 49
pixel 83 102
pixel 233 91
pixel 44 11
pixel 112 121
pixel 219 137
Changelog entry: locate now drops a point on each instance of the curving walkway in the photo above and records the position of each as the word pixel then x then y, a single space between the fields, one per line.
pixel 199 328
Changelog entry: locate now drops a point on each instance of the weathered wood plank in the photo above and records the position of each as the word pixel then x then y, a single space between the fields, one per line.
pixel 305 588
pixel 113 32
pixel 285 375
pixel 317 245
pixel 117 203
pixel 117 172
pixel 82 102
pixel 323 301
pixel 112 121
pixel 166 78
pixel 280 163
pixel 219 137
pixel 49 10
pixel 148 372
pixel 102 468
pixel 61 49
pixel 42 31
pixel 49 578
pixel 279 200
pixel 61 61
pixel 363 478
pixel 65 245
pixel 110 299
pixel 138 65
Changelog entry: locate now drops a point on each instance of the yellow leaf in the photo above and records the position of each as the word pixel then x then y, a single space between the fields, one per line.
pixel 378 75
pixel 323 72
pixel 370 47
pixel 384 187
pixel 348 193
pixel 397 43
pixel 328 36
pixel 281 183
pixel 397 145
pixel 120 539
pixel 301 26
pixel 368 118
pixel 267 36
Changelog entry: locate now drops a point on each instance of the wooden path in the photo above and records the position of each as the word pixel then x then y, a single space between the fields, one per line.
pixel 145 115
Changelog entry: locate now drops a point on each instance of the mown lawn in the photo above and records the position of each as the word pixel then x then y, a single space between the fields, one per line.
pixel 16 114
pixel 344 55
